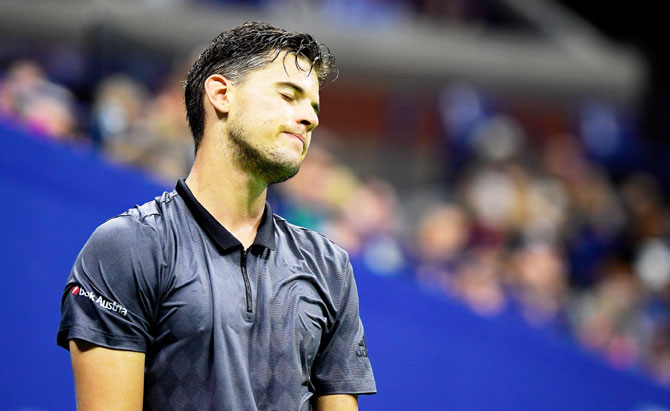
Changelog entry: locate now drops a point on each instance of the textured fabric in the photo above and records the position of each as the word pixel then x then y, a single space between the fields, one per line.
pixel 156 280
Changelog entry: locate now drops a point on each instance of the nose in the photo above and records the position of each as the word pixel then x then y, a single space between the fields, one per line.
pixel 308 117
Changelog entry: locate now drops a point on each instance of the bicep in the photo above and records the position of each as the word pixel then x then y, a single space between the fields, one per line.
pixel 337 402
pixel 107 379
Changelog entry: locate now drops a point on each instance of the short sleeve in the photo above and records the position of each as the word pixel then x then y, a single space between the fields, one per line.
pixel 111 294
pixel 342 365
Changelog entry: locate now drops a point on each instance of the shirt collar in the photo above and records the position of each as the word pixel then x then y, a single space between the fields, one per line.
pixel 218 233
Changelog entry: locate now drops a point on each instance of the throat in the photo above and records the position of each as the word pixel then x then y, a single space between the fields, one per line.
pixel 246 235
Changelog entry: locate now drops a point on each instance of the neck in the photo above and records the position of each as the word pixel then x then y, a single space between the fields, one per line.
pixel 232 196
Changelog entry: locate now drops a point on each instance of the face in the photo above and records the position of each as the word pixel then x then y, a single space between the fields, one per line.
pixel 273 112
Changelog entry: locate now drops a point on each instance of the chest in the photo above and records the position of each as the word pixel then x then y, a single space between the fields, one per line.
pixel 248 304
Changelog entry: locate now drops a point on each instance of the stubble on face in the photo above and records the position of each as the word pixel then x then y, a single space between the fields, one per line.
pixel 267 166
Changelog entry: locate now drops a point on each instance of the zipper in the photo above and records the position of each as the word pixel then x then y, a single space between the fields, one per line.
pixel 245 276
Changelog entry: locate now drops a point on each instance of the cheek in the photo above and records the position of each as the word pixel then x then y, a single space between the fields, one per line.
pixel 308 141
pixel 264 119
pixel 258 126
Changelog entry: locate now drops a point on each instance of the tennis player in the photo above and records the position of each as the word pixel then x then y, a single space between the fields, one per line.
pixel 203 299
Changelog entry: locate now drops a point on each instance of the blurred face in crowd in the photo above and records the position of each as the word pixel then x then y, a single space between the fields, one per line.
pixel 271 116
pixel 443 233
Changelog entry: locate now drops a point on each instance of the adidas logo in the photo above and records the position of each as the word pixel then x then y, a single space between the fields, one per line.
pixel 362 350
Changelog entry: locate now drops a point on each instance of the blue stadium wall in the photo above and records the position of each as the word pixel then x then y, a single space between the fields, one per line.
pixel 428 353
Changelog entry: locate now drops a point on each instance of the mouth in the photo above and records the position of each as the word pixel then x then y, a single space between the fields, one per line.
pixel 298 136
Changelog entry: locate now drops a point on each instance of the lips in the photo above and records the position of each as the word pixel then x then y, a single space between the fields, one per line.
pixel 298 136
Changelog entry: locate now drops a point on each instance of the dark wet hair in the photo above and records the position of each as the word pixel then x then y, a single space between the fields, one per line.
pixel 237 52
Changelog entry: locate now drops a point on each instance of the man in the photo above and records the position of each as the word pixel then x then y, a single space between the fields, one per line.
pixel 203 299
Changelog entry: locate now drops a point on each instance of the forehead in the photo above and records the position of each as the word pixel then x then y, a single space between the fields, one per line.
pixel 285 68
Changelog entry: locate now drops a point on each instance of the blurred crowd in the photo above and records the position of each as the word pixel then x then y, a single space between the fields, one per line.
pixel 536 226
pixel 129 123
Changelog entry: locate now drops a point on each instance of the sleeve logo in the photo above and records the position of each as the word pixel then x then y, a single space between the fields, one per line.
pixel 106 304
pixel 362 350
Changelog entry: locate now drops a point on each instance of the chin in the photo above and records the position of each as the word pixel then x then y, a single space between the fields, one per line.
pixel 292 158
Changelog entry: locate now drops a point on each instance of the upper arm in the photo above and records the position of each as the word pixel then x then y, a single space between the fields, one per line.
pixel 337 402
pixel 112 295
pixel 107 379
pixel 107 311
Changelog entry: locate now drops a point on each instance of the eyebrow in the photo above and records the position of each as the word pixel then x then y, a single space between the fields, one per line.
pixel 298 90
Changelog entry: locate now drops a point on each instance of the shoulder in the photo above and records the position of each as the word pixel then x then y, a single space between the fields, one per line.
pixel 135 231
pixel 312 243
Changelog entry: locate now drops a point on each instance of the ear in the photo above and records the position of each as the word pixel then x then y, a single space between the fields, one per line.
pixel 217 92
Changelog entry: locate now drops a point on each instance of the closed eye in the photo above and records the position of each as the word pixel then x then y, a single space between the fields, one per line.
pixel 287 97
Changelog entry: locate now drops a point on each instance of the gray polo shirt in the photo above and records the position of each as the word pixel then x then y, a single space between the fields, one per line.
pixel 223 328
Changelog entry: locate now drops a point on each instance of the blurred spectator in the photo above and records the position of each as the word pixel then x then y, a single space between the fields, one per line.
pixel 136 129
pixel 642 198
pixel 607 316
pixel 442 236
pixel 597 223
pixel 563 158
pixel 537 280
pixel 477 281
pixel 46 109
pixel 370 221
pixel 496 197
pixel 321 188
pixel 652 267
pixel 659 355
pixel 118 108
